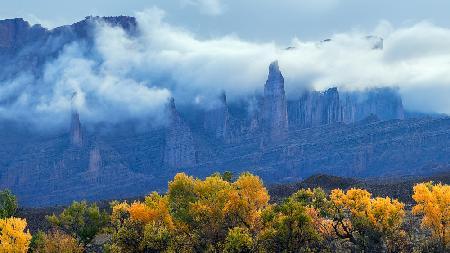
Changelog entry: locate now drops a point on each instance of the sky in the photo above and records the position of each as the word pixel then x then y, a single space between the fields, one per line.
pixel 194 50
pixel 254 20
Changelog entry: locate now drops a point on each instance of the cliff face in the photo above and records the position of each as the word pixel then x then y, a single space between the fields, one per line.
pixel 316 108
pixel 385 103
pixel 274 111
pixel 55 171
pixel 95 160
pixel 217 120
pixel 15 33
pixel 179 150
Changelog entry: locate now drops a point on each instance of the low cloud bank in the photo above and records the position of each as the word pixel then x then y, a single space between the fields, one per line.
pixel 127 77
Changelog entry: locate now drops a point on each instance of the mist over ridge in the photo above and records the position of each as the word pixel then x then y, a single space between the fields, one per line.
pixel 127 69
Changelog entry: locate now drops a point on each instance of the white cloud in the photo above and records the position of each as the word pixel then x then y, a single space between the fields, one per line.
pixel 414 58
pixel 132 77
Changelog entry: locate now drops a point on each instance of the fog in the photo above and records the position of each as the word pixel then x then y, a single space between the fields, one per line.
pixel 124 77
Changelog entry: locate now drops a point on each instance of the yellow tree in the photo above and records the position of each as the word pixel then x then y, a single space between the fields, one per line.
pixel 246 202
pixel 142 226
pixel 364 220
pixel 154 210
pixel 208 212
pixel 13 237
pixel 208 208
pixel 433 203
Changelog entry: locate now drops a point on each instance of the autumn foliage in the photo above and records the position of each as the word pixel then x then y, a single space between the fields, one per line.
pixel 433 204
pixel 13 235
pixel 219 214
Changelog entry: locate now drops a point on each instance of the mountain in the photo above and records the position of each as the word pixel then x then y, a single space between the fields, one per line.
pixel 26 48
pixel 343 133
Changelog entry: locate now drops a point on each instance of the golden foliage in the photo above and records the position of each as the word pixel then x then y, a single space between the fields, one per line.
pixel 153 210
pixel 356 201
pixel 433 202
pixel 13 237
pixel 385 214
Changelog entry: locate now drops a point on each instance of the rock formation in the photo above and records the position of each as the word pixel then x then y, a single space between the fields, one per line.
pixel 95 160
pixel 315 108
pixel 76 136
pixel 179 150
pixel 217 119
pixel 15 33
pixel 385 103
pixel 76 133
pixel 274 112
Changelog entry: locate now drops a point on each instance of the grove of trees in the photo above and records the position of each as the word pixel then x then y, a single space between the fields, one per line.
pixel 219 214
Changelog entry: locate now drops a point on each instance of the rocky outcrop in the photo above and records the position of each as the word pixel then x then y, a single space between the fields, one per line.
pixel 217 120
pixel 274 111
pixel 95 160
pixel 385 103
pixel 179 150
pixel 16 33
pixel 76 134
pixel 315 108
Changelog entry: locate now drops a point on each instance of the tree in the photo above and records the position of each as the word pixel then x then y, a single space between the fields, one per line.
pixel 80 220
pixel 13 237
pixel 289 227
pixel 55 242
pixel 8 204
pixel 142 226
pixel 208 209
pixel 433 203
pixel 37 242
pixel 238 240
pixel 208 212
pixel 368 223
pixel 246 201
pixel 157 237
pixel 180 195
pixel 127 237
pixel 227 176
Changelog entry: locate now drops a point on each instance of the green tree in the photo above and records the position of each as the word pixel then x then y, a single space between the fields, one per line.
pixel 8 204
pixel 81 220
pixel 238 240
pixel 37 242
pixel 127 237
pixel 227 176
pixel 289 227
pixel 157 237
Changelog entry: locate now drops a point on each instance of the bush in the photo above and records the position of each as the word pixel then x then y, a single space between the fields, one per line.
pixel 80 220
pixel 8 204
pixel 55 242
